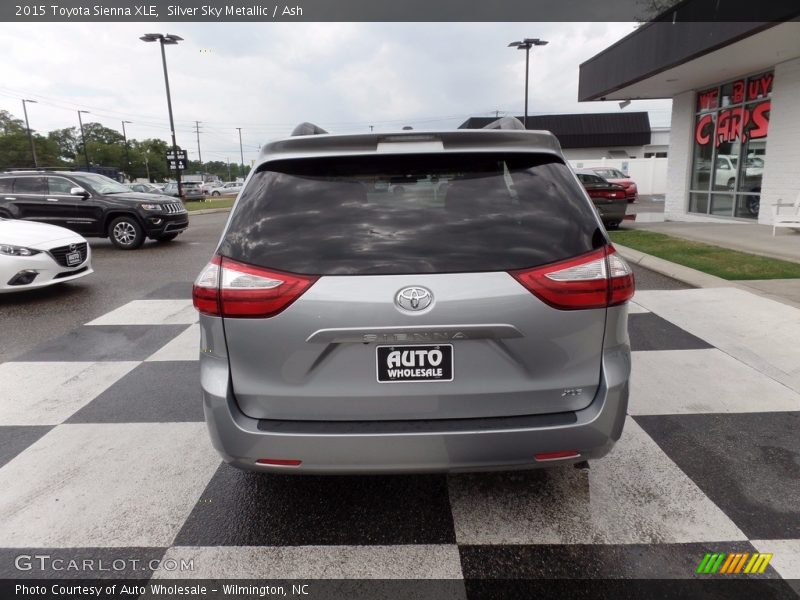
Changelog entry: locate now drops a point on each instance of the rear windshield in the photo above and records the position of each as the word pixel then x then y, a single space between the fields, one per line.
pixel 411 214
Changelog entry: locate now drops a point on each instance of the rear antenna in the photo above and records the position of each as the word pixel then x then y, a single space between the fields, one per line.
pixel 307 128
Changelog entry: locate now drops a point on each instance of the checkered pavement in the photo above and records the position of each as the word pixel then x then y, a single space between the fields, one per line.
pixel 103 453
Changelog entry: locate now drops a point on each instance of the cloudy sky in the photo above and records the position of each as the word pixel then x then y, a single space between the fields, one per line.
pixel 267 77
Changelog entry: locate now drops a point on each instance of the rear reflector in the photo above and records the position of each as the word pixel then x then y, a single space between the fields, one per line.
pixel 598 279
pixel 230 288
pixel 279 462
pixel 557 455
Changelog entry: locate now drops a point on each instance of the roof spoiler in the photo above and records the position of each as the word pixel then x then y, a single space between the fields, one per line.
pixel 505 123
pixel 307 128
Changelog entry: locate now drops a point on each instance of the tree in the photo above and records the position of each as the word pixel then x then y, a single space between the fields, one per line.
pixel 66 141
pixel 15 147
pixel 650 9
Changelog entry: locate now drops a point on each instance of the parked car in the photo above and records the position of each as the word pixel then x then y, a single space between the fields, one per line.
pixel 35 255
pixel 207 186
pixel 92 205
pixel 146 188
pixel 617 176
pixel 192 190
pixel 348 330
pixel 609 198
pixel 232 188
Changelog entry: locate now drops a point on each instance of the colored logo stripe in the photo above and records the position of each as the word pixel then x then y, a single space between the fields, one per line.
pixel 733 563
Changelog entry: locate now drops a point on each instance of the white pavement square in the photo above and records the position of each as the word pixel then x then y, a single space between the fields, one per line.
pixel 636 309
pixel 47 393
pixel 785 556
pixel 150 312
pixel 758 331
pixel 635 495
pixel 107 485
pixel 316 562
pixel 668 382
pixel 186 346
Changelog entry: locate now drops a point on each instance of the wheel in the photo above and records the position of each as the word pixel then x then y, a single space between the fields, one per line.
pixel 166 237
pixel 215 193
pixel 126 233
pixel 612 224
pixel 753 204
pixel 731 184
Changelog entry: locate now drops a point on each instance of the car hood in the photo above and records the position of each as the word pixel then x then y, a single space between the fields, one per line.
pixel 144 197
pixel 35 235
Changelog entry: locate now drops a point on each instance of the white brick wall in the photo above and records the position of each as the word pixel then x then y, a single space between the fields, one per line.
pixel 676 201
pixel 781 178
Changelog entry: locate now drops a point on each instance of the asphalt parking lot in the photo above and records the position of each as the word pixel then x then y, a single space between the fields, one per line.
pixel 103 452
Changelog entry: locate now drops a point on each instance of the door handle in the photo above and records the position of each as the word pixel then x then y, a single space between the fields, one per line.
pixel 52 199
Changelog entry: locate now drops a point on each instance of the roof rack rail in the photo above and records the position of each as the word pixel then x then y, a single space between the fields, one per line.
pixel 307 128
pixel 505 123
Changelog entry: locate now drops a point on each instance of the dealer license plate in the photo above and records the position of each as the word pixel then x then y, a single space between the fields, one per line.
pixel 414 363
pixel 73 258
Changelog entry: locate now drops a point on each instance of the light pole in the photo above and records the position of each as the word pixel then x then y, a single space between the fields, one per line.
pixel 526 45
pixel 164 40
pixel 83 137
pixel 30 135
pixel 127 156
pixel 241 152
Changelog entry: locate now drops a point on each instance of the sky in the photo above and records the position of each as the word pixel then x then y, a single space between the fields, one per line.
pixel 268 77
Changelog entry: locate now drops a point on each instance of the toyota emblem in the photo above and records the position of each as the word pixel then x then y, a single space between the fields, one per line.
pixel 414 298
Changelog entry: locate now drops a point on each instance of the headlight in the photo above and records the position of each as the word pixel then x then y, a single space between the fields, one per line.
pixel 10 250
pixel 151 207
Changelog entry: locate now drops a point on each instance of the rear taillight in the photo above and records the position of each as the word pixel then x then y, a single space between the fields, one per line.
pixel 229 288
pixel 595 280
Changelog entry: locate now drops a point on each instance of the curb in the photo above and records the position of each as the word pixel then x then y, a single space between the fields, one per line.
pixel 208 211
pixel 691 276
pixel 686 275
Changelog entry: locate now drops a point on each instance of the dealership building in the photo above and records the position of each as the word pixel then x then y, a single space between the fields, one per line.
pixel 734 144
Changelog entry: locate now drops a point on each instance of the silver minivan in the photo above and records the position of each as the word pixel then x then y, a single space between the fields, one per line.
pixel 471 315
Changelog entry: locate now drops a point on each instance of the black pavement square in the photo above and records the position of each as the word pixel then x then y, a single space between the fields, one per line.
pixel 79 563
pixel 105 342
pixel 650 332
pixel 153 392
pixel 239 508
pixel 596 561
pixel 748 464
pixel 177 290
pixel 15 438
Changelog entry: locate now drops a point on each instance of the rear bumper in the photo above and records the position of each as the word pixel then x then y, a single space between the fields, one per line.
pixel 415 446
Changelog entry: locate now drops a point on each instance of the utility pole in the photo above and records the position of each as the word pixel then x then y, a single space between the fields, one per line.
pixel 83 137
pixel 241 152
pixel 229 168
pixel 127 155
pixel 30 135
pixel 147 166
pixel 199 156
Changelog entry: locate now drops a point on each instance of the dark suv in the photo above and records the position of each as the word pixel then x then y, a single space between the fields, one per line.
pixel 92 205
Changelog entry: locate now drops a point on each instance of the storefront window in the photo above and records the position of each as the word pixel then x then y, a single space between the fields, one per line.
pixel 730 138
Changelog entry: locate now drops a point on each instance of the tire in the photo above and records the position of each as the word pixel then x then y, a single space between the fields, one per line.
pixel 612 225
pixel 215 194
pixel 753 204
pixel 731 184
pixel 126 233
pixel 166 237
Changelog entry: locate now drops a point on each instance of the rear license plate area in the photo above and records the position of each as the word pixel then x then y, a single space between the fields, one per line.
pixel 408 364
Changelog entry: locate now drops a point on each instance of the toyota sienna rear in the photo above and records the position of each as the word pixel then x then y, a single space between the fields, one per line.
pixel 410 303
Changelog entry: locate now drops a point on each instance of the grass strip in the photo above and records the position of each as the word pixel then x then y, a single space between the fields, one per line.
pixel 722 262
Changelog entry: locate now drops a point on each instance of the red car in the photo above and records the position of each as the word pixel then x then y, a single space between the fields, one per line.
pixel 608 198
pixel 617 176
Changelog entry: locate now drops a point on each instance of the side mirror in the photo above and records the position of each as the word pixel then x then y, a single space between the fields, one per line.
pixel 79 191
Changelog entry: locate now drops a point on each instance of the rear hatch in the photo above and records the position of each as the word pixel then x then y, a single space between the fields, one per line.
pixel 411 287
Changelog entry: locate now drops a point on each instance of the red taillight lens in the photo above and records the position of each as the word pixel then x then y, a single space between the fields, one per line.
pixel 246 291
pixel 557 455
pixel 595 280
pixel 279 462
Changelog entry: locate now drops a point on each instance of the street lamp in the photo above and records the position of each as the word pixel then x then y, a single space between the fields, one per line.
pixel 165 40
pixel 30 135
pixel 127 156
pixel 83 137
pixel 526 45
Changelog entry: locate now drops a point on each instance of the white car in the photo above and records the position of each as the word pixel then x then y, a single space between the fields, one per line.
pixel 231 188
pixel 35 255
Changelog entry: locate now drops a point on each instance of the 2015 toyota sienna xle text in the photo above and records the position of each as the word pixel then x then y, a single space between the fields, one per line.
pixel 413 302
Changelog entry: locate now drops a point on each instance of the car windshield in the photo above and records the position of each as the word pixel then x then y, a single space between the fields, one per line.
pixel 100 184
